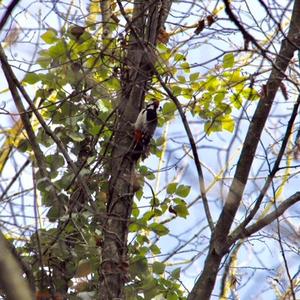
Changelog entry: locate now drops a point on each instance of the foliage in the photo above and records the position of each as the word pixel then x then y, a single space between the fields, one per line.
pixel 78 79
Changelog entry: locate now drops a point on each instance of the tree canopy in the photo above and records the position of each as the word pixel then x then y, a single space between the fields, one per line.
pixel 210 210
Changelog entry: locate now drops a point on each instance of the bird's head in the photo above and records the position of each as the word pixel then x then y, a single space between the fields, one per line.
pixel 154 104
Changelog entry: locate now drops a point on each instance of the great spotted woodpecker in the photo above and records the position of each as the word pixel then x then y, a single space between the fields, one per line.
pixel 144 128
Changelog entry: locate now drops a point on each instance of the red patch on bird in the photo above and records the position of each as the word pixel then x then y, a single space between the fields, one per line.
pixel 138 135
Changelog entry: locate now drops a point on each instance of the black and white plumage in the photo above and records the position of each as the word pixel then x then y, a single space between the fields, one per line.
pixel 144 128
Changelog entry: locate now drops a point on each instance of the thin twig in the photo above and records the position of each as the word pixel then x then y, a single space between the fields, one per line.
pixel 272 174
pixel 284 258
pixel 269 218
pixel 16 176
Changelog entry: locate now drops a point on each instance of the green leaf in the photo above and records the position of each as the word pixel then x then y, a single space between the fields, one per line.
pixel 92 128
pixel 44 139
pixel 23 145
pixel 50 36
pixel 58 50
pixel 134 227
pixel 31 78
pixel 236 100
pixel 154 202
pixel 185 67
pixel 65 181
pixel 194 76
pixel 250 94
pixel 44 59
pixel 143 251
pixel 171 188
pixel 181 79
pixel 150 288
pixel 150 176
pixel 76 137
pixel 176 90
pixel 219 97
pixel 187 93
pixel 53 214
pixel 211 127
pixel 172 296
pixel 181 210
pixel 212 84
pixel 236 77
pixel 142 239
pixel 114 83
pixel 179 57
pixel 55 161
pixel 228 60
pixel 148 215
pixel 158 267
pixel 143 170
pixel 162 48
pixel 168 108
pixel 228 124
pixel 135 210
pixel 159 229
pixel 183 190
pixel 139 266
pixel 139 194
pixel 157 212
pixel 155 249
pixel 176 273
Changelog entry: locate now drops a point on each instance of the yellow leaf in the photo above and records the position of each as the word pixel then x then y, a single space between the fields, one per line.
pixel 13 139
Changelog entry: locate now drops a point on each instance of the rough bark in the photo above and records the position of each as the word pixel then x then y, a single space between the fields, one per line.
pixel 148 17
pixel 219 243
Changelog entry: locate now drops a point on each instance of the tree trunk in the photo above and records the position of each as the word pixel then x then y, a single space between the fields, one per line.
pixel 148 17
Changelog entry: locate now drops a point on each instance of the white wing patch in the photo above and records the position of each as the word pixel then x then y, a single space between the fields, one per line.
pixel 141 120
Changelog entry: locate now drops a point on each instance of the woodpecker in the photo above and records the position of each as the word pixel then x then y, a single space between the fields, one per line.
pixel 144 128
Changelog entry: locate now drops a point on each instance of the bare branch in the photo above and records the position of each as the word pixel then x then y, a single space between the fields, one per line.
pixel 8 12
pixel 25 120
pixel 16 176
pixel 268 219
